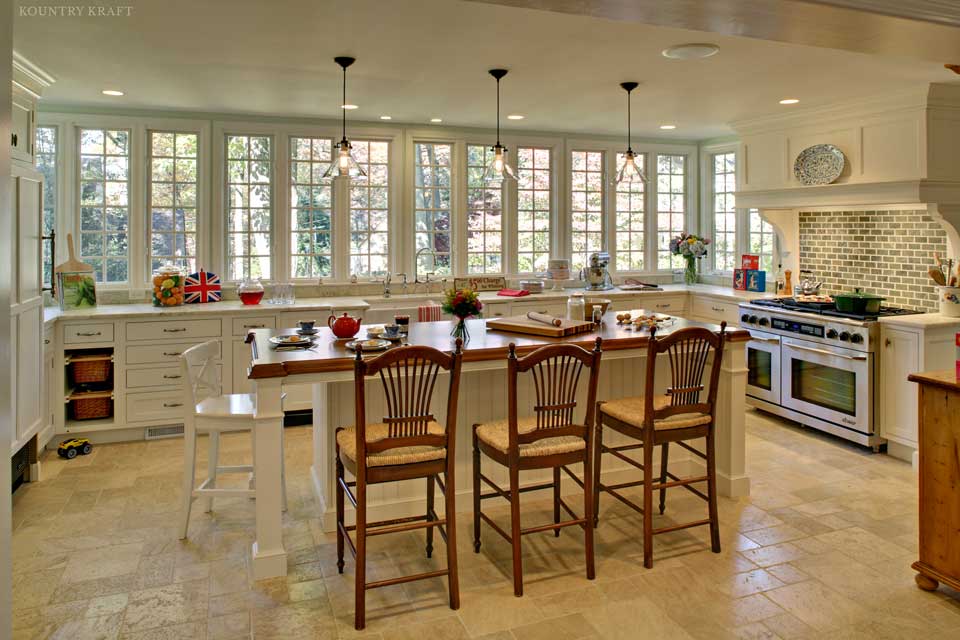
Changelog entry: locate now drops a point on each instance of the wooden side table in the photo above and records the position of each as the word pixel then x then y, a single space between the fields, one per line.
pixel 939 447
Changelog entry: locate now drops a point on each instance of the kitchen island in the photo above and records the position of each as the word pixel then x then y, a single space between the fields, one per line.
pixel 328 366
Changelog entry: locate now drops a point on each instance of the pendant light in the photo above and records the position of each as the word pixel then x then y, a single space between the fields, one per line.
pixel 629 171
pixel 498 170
pixel 343 163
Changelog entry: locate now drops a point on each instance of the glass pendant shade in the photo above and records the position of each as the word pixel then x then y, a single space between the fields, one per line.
pixel 630 171
pixel 498 169
pixel 343 163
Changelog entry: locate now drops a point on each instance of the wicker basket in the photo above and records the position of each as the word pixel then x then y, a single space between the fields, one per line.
pixel 90 369
pixel 91 408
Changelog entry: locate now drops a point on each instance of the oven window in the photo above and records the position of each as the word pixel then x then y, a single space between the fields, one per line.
pixel 828 387
pixel 760 369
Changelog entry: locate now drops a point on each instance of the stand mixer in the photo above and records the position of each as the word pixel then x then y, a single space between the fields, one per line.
pixel 595 274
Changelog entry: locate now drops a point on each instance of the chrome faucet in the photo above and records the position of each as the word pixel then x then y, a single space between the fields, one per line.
pixel 416 268
pixel 404 276
pixel 386 284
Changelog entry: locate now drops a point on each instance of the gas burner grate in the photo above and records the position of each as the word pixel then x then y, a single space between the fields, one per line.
pixel 830 310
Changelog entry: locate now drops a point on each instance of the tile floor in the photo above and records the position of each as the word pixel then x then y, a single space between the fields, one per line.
pixel 821 549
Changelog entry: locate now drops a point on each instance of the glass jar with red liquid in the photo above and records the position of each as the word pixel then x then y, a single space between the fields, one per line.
pixel 250 291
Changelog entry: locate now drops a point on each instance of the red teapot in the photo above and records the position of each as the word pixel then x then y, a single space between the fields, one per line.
pixel 346 326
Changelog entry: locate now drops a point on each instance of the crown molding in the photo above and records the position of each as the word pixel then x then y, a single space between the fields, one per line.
pixel 29 76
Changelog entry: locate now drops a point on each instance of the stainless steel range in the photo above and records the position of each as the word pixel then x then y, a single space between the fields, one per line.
pixel 814 365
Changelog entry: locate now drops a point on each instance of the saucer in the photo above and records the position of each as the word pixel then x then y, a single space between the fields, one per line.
pixel 310 332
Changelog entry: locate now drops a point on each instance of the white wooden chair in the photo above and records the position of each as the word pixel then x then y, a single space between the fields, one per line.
pixel 213 413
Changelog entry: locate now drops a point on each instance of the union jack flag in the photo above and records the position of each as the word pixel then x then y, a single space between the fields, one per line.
pixel 202 286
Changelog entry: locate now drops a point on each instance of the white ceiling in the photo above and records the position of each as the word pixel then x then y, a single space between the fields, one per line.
pixel 419 59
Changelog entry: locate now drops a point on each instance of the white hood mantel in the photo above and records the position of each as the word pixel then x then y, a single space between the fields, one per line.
pixel 902 151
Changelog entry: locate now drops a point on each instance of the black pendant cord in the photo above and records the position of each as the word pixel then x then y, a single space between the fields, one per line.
pixel 629 87
pixel 343 106
pixel 498 112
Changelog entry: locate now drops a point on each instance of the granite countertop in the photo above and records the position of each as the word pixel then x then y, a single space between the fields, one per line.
pixel 922 321
pixel 141 310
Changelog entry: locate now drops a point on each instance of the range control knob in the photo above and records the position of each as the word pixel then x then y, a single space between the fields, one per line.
pixel 856 338
pixel 753 320
pixel 832 334
pixel 844 336
pixel 764 322
pixel 745 318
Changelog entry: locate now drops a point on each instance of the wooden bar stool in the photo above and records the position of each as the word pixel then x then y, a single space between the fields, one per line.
pixel 679 415
pixel 212 412
pixel 408 444
pixel 551 439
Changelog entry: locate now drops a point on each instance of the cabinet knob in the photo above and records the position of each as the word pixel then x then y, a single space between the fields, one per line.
pixel 46 341
pixel 886 342
pixel 14 139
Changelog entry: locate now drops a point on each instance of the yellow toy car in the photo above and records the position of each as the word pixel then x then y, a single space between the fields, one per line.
pixel 70 448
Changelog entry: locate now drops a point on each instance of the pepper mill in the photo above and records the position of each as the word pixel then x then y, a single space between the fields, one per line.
pixel 787 285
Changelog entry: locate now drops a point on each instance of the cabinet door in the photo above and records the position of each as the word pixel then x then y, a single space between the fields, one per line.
pixel 21 132
pixel 29 368
pixel 899 357
pixel 29 194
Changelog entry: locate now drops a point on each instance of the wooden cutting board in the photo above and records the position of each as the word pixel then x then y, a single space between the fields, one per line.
pixel 523 324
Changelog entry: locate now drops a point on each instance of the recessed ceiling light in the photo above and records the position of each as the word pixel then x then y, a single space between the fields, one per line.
pixel 789 101
pixel 668 127
pixel 349 107
pixel 691 51
pixel 386 117
pixel 436 120
pixel 111 92
pixel 515 116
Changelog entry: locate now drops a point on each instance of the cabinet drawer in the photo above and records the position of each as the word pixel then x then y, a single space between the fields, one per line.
pixel 158 353
pixel 81 333
pixel 156 377
pixel 714 310
pixel 242 325
pixel 154 405
pixel 670 305
pixel 173 329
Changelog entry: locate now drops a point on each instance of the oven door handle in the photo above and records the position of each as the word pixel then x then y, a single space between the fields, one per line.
pixel 770 340
pixel 825 352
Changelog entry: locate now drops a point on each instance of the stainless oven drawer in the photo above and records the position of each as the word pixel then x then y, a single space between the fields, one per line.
pixel 830 383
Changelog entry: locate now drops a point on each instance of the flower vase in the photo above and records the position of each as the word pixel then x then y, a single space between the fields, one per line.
pixel 460 330
pixel 690 272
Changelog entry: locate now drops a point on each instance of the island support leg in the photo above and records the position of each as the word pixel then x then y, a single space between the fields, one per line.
pixel 732 479
pixel 269 556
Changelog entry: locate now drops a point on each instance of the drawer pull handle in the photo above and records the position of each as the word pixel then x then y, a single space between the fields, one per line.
pixel 254 326
pixel 174 330
pixel 169 377
pixel 717 309
pixel 173 353
pixel 663 305
pixel 171 405
pixel 14 139
pixel 88 334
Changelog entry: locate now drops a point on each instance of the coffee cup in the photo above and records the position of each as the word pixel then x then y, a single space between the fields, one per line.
pixel 391 331
pixel 307 325
pixel 402 320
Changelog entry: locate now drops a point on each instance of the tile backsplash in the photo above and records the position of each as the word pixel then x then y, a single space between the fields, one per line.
pixel 883 252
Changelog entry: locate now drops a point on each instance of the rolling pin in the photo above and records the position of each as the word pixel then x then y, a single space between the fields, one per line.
pixel 544 318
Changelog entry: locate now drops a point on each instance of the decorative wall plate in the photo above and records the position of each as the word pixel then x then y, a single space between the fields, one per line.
pixel 819 164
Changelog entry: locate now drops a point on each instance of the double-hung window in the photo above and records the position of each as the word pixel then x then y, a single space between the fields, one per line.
pixel 104 195
pixel 370 209
pixel 630 221
pixel 534 204
pixel 431 204
pixel 311 208
pixel 484 214
pixel 249 206
pixel 172 200
pixel 586 206
pixel 762 241
pixel 671 206
pixel 724 184
pixel 47 145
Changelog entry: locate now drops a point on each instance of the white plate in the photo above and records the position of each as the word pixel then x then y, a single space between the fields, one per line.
pixel 369 345
pixel 291 340
pixel 380 336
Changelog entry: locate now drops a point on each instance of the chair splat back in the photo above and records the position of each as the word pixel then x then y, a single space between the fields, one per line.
pixel 408 376
pixel 198 364
pixel 557 372
pixel 688 351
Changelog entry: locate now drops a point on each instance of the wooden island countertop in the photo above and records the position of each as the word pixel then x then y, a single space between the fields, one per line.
pixel 943 379
pixel 329 353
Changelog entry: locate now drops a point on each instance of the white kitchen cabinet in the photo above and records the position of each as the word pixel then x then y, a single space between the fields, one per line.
pixel 23 126
pixel 909 347
pixel 712 309
pixel 551 307
pixel 52 396
pixel 496 309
